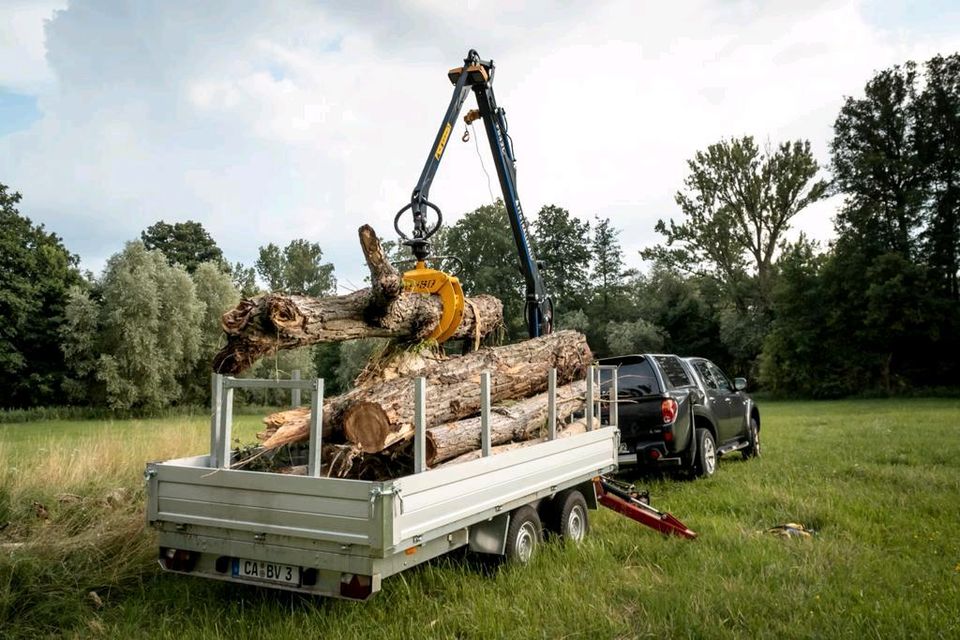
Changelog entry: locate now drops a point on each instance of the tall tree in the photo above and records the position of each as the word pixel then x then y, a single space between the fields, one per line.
pixel 607 269
pixel 36 272
pixel 563 246
pixel 297 268
pixel 185 243
pixel 737 205
pixel 216 294
pixel 876 166
pixel 483 242
pixel 145 336
pixel 938 149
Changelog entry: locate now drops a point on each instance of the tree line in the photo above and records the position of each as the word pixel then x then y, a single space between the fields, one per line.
pixel 876 310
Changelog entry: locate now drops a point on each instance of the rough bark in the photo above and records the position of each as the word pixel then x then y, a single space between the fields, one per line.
pixel 379 416
pixel 521 421
pixel 264 324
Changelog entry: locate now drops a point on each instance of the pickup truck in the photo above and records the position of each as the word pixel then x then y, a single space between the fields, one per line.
pixel 682 413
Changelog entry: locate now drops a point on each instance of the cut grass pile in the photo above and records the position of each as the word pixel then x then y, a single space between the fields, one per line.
pixel 878 479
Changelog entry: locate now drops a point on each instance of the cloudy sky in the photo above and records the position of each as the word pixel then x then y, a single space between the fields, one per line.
pixel 272 121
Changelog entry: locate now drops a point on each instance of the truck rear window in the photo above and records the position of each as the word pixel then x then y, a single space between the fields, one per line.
pixel 636 379
pixel 673 370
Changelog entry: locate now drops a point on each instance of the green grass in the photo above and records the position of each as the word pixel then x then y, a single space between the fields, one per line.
pixel 878 479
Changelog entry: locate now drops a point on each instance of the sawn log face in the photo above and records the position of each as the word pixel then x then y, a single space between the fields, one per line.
pixel 379 416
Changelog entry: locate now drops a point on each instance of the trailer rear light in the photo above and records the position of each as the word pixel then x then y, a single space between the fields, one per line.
pixel 355 586
pixel 654 454
pixel 177 559
pixel 668 409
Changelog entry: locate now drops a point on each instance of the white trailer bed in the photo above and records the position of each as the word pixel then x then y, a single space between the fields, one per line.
pixel 337 537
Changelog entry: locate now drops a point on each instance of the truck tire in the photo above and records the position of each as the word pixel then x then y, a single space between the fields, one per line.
pixel 524 535
pixel 706 460
pixel 568 518
pixel 752 450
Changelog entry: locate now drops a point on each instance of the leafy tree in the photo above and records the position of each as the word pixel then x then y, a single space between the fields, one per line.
pixel 634 336
pixel 216 294
pixel 244 279
pixel 875 164
pixel 562 245
pixel 937 135
pixel 687 311
pixel 297 268
pixel 483 242
pixel 147 331
pixel 608 266
pixel 36 272
pixel 185 243
pixel 737 204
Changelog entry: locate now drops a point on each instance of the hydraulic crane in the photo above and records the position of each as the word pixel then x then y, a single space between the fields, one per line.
pixel 475 75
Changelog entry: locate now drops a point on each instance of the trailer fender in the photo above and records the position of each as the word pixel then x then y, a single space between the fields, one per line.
pixel 490 536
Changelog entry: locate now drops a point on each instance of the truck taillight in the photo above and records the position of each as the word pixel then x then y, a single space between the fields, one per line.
pixel 668 409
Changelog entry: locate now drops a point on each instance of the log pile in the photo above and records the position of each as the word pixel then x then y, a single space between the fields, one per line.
pixel 367 431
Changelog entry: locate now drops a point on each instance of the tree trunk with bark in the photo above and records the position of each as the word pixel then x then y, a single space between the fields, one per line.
pixel 380 416
pixel 264 324
pixel 523 420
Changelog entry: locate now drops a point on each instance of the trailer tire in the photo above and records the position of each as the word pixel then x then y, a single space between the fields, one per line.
pixel 568 516
pixel 524 535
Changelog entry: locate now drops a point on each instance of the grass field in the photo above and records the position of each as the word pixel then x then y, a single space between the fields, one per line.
pixel 878 479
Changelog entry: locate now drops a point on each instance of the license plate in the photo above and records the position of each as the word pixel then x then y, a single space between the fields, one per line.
pixel 266 571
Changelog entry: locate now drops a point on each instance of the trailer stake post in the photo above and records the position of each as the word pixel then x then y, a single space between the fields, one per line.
pixel 295 393
pixel 216 390
pixel 420 425
pixel 315 452
pixel 485 414
pixel 226 426
pixel 589 413
pixel 552 404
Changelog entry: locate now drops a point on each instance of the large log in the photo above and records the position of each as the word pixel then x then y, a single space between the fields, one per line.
pixel 259 326
pixel 521 421
pixel 379 416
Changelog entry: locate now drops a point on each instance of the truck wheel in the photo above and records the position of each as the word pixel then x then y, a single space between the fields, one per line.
pixel 523 535
pixel 569 516
pixel 706 464
pixel 752 450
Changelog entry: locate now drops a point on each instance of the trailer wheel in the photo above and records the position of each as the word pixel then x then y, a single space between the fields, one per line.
pixel 706 454
pixel 523 535
pixel 568 518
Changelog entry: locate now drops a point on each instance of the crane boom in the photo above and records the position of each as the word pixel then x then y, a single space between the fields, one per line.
pixel 476 75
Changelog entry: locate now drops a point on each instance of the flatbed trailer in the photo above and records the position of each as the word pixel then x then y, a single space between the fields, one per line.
pixel 338 537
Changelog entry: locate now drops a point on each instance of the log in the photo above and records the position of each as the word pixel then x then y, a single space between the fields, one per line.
pixel 566 431
pixel 380 416
pixel 521 421
pixel 262 325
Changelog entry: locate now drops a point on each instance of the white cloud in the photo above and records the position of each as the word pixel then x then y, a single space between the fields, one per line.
pixel 297 120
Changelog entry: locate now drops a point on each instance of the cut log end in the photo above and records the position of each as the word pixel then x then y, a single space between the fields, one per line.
pixel 367 425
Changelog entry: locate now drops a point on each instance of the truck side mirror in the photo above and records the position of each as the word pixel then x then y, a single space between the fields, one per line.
pixel 739 384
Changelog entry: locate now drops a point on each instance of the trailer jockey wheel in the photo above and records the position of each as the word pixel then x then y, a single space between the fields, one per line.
pixel 568 516
pixel 524 535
